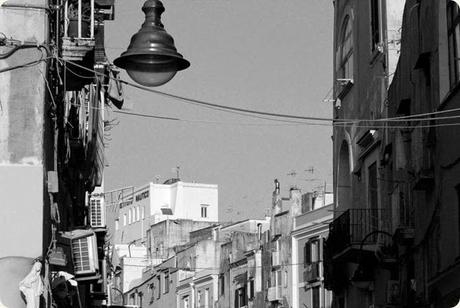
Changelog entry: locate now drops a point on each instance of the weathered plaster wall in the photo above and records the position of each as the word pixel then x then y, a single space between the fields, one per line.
pixel 22 116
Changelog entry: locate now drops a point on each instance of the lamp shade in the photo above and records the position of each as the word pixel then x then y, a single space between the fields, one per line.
pixel 151 58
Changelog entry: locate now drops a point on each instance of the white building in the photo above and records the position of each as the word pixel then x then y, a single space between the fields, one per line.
pixel 311 229
pixel 152 203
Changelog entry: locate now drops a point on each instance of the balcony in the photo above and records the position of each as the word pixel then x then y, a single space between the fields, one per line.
pixel 312 273
pixel 185 274
pixel 79 24
pixel 276 260
pixel 274 294
pixel 347 232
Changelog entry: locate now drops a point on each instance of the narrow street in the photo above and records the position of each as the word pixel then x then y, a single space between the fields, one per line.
pixel 231 154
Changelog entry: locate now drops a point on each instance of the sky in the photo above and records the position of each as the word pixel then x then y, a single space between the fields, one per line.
pixel 267 55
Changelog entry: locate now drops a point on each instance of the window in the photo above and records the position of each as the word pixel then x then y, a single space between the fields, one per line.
pixel 276 278
pixel 285 278
pixel 130 217
pixel 457 188
pixel 315 250
pixel 277 246
pixel 124 219
pixel 152 290
pixel 138 215
pixel 222 284
pixel 185 302
pixel 132 299
pixel 372 196
pixel 311 251
pixel 251 294
pixel 204 211
pixel 117 224
pixel 142 213
pixel 199 298
pixel 307 253
pixel 149 242
pixel 346 51
pixel 159 286
pixel 240 297
pixel 140 297
pixel 453 33
pixel 372 187
pixel 315 302
pixel 166 283
pixel 376 33
pixel 206 298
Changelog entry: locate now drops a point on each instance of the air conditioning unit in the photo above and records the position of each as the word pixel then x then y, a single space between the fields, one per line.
pixel 97 212
pixel 83 247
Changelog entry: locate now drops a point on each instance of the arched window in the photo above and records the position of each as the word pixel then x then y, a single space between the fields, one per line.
pixel 346 50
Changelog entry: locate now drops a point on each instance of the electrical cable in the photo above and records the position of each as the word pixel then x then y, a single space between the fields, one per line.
pixel 207 268
pixel 148 115
pixel 336 122
pixel 24 45
pixel 199 102
pixel 27 64
pixel 293 123
pixel 78 75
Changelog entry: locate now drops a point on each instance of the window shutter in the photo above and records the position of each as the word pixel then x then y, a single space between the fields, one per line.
pixel 320 248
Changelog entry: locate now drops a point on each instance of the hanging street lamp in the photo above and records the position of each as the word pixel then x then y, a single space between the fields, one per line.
pixel 152 59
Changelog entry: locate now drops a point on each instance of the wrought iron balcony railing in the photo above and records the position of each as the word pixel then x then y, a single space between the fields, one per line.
pixel 353 225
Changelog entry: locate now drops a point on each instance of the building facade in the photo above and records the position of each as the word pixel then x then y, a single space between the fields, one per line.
pixel 52 150
pixel 367 45
pixel 424 158
pixel 135 210
pixel 308 237
pixel 394 238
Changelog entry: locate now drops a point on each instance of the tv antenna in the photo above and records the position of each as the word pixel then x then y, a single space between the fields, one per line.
pixel 177 170
pixel 293 174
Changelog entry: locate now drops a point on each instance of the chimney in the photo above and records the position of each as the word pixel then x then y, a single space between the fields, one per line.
pixel 306 202
pixel 276 200
pixel 295 197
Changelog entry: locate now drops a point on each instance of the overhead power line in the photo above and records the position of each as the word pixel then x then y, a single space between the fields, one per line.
pixel 291 123
pixel 335 122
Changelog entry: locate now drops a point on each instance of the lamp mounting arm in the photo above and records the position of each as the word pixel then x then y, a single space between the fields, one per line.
pixel 153 10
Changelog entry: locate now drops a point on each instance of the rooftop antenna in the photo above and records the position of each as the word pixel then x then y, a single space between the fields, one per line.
pixel 293 174
pixel 177 170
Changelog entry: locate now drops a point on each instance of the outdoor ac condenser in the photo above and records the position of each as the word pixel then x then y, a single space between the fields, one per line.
pixel 83 248
pixel 96 212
